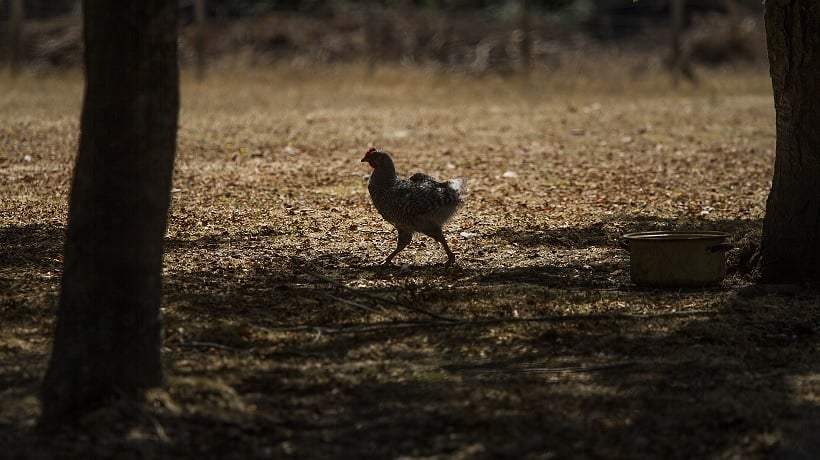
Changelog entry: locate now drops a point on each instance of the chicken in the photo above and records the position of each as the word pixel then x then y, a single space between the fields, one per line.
pixel 418 204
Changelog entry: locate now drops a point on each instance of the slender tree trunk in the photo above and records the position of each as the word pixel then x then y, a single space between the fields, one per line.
pixel 200 15
pixel 108 334
pixel 371 35
pixel 677 10
pixel 790 249
pixel 526 38
pixel 16 16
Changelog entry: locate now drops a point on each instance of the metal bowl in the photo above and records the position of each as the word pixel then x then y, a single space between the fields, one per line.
pixel 678 258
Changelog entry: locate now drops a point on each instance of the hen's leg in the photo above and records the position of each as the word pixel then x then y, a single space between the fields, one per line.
pixel 439 236
pixel 404 240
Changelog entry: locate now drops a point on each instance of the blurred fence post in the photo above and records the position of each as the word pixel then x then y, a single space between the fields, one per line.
pixel 447 32
pixel 677 60
pixel 16 16
pixel 371 37
pixel 526 38
pixel 200 16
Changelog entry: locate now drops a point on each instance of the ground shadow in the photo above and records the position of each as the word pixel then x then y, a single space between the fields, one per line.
pixel 745 236
pixel 607 232
pixel 702 386
pixel 30 270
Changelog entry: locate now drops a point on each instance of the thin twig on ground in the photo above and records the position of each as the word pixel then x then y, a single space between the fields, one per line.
pixel 357 305
pixel 506 369
pixel 375 297
pixel 211 345
pixel 388 325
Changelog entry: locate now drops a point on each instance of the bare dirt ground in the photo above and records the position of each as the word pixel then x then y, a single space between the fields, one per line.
pixel 284 339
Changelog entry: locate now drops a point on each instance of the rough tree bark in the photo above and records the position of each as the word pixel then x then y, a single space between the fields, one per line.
pixel 108 334
pixel 790 248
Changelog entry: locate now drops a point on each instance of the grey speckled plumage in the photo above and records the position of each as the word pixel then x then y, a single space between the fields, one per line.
pixel 418 204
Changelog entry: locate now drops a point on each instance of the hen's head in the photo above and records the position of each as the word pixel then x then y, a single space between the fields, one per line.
pixel 374 158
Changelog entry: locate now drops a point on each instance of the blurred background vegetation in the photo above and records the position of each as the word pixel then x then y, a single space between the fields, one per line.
pixel 471 36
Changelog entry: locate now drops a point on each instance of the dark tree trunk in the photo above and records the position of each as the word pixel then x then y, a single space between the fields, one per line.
pixel 525 47
pixel 108 334
pixel 15 35
pixel 790 249
pixel 200 17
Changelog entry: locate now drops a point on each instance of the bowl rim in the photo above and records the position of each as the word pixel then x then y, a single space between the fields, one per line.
pixel 676 235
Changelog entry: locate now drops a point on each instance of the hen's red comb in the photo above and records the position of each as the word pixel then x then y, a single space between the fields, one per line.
pixel 372 150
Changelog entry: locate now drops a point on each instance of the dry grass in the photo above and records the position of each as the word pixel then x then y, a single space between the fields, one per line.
pixel 265 360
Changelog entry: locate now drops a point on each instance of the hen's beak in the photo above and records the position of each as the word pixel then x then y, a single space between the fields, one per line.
pixel 363 160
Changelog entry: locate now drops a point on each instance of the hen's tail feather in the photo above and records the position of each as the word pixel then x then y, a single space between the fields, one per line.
pixel 459 185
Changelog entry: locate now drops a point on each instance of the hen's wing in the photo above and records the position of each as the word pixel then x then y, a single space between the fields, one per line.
pixel 421 178
pixel 421 195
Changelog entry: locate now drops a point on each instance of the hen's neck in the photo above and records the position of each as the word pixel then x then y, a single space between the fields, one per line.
pixel 383 177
